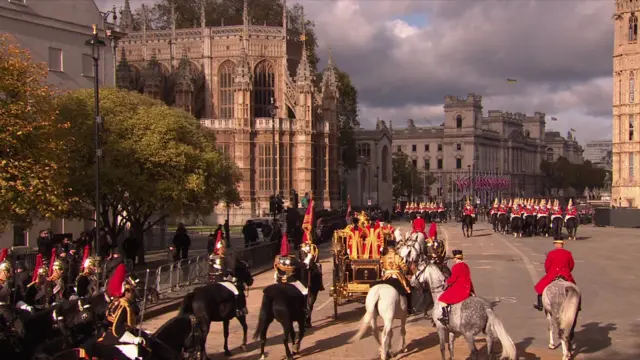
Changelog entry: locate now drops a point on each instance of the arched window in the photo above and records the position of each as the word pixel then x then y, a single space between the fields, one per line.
pixel 225 86
pixel 632 88
pixel 384 163
pixel 264 84
pixel 459 121
pixel 633 27
pixel 364 150
pixel 631 121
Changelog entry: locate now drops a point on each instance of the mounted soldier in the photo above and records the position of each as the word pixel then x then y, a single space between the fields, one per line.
pixel 87 282
pixel 558 265
pixel 419 225
pixel 222 267
pixel 436 250
pixel 56 282
pixel 287 269
pixel 311 270
pixel 6 272
pixel 394 270
pixel 493 212
pixel 459 286
pixel 571 220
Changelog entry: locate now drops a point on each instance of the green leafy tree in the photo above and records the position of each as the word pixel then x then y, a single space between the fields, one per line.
pixel 347 113
pixel 32 166
pixel 158 161
pixel 408 180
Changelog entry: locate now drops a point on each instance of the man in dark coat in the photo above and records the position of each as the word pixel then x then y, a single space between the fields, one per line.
pixel 130 246
pixel 182 242
pixel 45 243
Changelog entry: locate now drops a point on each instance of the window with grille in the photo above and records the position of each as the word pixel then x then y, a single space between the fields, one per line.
pixel 225 88
pixel 426 148
pixel 284 168
pixel 631 165
pixel 439 164
pixel 264 167
pixel 632 88
pixel 264 84
pixel 458 163
pixel 427 164
pixel 631 127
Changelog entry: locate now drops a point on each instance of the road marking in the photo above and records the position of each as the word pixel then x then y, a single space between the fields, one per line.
pixel 506 299
pixel 484 260
pixel 324 304
pixel 482 267
pixel 527 263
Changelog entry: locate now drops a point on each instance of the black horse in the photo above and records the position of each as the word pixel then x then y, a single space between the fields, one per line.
pixel 503 222
pixel 556 227
pixel 311 277
pixel 467 225
pixel 571 223
pixel 216 303
pixel 543 226
pixel 12 333
pixel 494 222
pixel 516 225
pixel 284 303
pixel 529 223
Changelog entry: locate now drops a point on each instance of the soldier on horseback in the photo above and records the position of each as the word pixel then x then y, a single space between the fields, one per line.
pixel 222 267
pixel 288 268
pixel 394 267
pixel 435 248
pixel 459 286
pixel 87 282
pixel 558 265
pixel 419 224
pixel 56 281
pixel 6 311
pixel 313 276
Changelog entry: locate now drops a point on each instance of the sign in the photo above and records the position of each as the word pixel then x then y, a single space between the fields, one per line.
pixel 369 202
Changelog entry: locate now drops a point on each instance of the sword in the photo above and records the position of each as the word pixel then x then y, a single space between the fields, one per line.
pixel 144 303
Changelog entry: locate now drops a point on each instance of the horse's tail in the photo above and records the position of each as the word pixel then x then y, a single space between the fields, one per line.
pixel 495 325
pixel 186 308
pixel 371 305
pixel 266 306
pixel 569 309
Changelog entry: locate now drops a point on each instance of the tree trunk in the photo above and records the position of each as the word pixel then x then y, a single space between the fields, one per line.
pixel 137 231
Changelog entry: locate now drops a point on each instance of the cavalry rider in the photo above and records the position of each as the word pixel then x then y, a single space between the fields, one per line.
pixel 435 248
pixel 503 208
pixel 419 225
pixel 571 212
pixel 394 269
pixel 87 282
pixel 121 318
pixel 556 210
pixel 459 286
pixel 57 282
pixel 528 210
pixel 495 208
pixel 469 210
pixel 543 210
pixel 558 265
pixel 288 267
pixel 222 268
pixel 37 293
pixel 6 272
pixel 311 255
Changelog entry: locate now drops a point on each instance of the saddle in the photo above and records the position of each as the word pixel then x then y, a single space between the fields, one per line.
pixel 560 277
pixel 230 285
pixel 395 283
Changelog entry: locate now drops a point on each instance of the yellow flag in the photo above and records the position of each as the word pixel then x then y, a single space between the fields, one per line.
pixel 512 81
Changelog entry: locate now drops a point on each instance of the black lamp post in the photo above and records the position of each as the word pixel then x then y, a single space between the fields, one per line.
pixel 471 183
pixel 273 110
pixel 96 43
pixel 377 177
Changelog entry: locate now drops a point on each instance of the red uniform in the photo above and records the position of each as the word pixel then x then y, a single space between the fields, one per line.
pixel 469 210
pixel 528 211
pixel 419 225
pixel 557 212
pixel 572 212
pixel 543 211
pixel 494 210
pixel 559 263
pixel 460 285
pixel 502 209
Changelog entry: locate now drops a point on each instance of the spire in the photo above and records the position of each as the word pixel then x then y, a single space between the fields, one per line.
pixel 304 75
pixel 126 23
pixel 284 18
pixel 245 14
pixel 203 19
pixel 330 78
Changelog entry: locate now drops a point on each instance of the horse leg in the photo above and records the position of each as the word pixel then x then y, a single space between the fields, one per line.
pixel 225 331
pixel 263 336
pixel 444 337
pixel 452 339
pixel 403 333
pixel 490 340
pixel 472 345
pixel 387 334
pixel 301 330
pixel 243 322
pixel 552 343
pixel 285 339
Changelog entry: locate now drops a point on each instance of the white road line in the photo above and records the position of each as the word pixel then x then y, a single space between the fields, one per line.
pixel 482 267
pixel 324 304
pixel 527 263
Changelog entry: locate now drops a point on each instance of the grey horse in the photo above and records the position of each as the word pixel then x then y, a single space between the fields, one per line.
pixel 468 318
pixel 411 247
pixel 561 301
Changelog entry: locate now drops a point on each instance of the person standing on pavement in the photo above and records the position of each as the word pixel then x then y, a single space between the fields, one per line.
pixel 227 233
pixel 182 242
pixel 130 247
pixel 45 243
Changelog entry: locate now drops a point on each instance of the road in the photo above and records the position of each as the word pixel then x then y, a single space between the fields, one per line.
pixel 503 269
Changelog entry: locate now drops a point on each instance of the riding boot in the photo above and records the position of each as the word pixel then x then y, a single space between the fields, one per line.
pixel 444 319
pixel 410 310
pixel 538 305
pixel 241 309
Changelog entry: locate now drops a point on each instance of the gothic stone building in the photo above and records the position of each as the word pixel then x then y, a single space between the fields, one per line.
pixel 228 76
pixel 625 189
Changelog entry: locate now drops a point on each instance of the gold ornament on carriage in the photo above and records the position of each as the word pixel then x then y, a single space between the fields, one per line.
pixel 363 220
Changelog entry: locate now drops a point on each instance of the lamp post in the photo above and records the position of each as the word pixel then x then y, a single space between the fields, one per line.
pixel 273 110
pixel 96 43
pixel 377 177
pixel 471 182
pixel 340 184
pixel 368 183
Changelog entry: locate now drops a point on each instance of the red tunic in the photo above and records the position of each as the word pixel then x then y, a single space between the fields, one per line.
pixel 559 262
pixel 572 212
pixel 469 210
pixel 494 210
pixel 557 212
pixel 419 225
pixel 460 285
pixel 502 209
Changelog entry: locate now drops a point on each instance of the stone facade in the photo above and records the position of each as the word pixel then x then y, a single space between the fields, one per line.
pixel 599 153
pixel 625 189
pixel 55 32
pixel 503 143
pixel 228 76
pixel 558 146
pixel 371 181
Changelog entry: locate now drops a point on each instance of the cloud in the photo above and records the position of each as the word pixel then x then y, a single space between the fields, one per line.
pixel 404 56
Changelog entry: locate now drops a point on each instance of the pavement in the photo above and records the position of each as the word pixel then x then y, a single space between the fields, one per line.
pixel 504 269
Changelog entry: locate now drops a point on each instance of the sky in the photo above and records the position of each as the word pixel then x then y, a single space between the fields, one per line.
pixel 405 56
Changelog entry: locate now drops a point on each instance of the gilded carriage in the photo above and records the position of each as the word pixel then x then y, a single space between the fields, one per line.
pixel 356 261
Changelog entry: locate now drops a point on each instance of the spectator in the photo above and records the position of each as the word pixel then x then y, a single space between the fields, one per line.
pixel 45 243
pixel 227 233
pixel 182 242
pixel 211 242
pixel 130 246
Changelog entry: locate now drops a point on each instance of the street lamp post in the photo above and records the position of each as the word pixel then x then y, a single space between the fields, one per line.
pixel 368 183
pixel 96 43
pixel 377 176
pixel 273 110
pixel 471 182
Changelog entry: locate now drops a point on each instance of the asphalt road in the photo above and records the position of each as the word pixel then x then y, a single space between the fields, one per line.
pixel 504 269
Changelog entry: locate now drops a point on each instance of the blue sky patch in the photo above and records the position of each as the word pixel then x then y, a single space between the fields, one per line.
pixel 415 19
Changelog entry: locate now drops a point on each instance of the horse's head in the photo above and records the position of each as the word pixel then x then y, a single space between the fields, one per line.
pixel 429 274
pixel 243 273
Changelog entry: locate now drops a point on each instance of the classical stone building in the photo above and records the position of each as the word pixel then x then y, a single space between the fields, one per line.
pixel 371 181
pixel 625 190
pixel 598 152
pixel 558 146
pixel 228 76
pixel 499 144
pixel 55 33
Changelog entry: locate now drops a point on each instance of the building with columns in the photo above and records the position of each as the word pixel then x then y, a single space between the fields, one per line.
pixel 228 77
pixel 371 182
pixel 55 32
pixel 558 146
pixel 468 142
pixel 625 187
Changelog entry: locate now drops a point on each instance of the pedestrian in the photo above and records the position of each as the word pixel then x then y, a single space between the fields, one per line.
pixel 182 242
pixel 45 243
pixel 227 233
pixel 130 246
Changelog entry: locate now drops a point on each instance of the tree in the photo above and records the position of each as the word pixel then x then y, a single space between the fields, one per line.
pixel 408 180
pixel 158 161
pixel 347 113
pixel 562 174
pixel 32 169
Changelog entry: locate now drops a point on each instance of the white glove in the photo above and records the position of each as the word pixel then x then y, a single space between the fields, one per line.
pixel 307 260
pixel 138 341
pixel 24 306
pixel 128 338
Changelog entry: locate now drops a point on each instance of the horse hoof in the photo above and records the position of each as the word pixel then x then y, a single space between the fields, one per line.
pixel 263 357
pixel 553 347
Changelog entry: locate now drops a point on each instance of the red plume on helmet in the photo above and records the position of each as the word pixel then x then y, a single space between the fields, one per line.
pixel 219 244
pixel 53 259
pixel 85 255
pixel 433 231
pixel 115 285
pixel 36 269
pixel 284 245
pixel 3 254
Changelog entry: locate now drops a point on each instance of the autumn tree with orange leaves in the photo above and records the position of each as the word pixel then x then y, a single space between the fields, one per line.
pixel 31 161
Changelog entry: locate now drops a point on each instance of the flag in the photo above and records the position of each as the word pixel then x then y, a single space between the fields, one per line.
pixel 307 222
pixel 554 119
pixel 572 130
pixel 512 81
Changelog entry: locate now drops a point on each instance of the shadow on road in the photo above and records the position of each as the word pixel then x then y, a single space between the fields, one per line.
pixel 593 337
pixel 630 353
pixel 426 342
pixel 330 343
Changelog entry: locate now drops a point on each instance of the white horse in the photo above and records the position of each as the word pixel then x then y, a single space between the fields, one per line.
pixel 412 247
pixel 385 300
pixel 468 318
pixel 561 300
